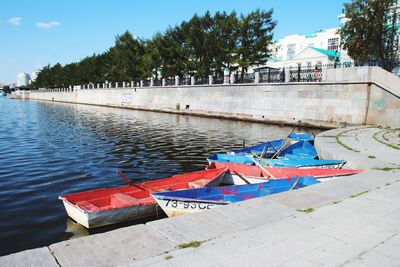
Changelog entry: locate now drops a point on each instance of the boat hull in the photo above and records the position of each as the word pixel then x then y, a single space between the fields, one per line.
pixel 254 174
pixel 277 163
pixel 103 218
pixel 173 207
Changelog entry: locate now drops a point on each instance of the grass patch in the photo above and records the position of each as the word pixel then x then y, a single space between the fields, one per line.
pixel 359 194
pixel 343 144
pixel 168 257
pixel 383 136
pixel 335 202
pixel 387 184
pixel 386 169
pixel 371 157
pixel 308 210
pixel 191 244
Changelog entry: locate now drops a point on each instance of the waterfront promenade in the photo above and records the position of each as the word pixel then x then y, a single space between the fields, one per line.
pixel 351 221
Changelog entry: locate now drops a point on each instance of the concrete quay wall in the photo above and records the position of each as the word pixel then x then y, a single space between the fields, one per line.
pixel 347 96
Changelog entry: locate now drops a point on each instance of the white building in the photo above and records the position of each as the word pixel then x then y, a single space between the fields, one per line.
pixel 319 48
pixel 23 79
pixel 34 75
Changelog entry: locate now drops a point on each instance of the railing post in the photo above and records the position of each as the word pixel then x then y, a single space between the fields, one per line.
pixel 256 77
pixel 176 80
pixel 123 85
pixel 163 82
pixel 269 75
pixel 232 79
pixel 141 83
pixel 210 79
pixel 286 75
pixel 298 72
pixel 151 82
pixel 192 80
pixel 226 75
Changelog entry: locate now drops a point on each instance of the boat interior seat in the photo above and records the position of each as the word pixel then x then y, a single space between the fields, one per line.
pixel 119 199
pixel 87 206
pixel 198 184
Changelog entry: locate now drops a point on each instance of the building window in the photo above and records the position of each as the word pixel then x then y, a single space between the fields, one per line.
pixel 291 51
pixel 333 44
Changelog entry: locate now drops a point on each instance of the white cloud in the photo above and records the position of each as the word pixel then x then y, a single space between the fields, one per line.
pixel 48 25
pixel 16 21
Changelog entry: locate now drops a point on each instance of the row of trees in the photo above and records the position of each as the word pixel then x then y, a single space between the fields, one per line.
pixel 202 46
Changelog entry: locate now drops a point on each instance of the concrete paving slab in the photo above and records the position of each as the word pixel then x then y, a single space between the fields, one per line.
pixel 372 259
pixel 255 212
pixel 198 226
pixel 34 257
pixel 353 185
pixel 112 248
pixel 301 199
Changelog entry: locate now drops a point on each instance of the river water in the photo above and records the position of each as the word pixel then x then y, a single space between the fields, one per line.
pixel 48 149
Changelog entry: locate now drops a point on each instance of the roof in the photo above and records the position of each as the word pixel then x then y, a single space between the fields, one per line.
pixel 329 53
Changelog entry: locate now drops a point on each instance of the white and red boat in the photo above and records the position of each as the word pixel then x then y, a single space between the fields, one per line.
pixel 104 206
pixel 254 174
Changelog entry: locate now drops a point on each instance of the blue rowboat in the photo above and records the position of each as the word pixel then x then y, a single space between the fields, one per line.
pixel 301 136
pixel 299 150
pixel 283 163
pixel 267 148
pixel 194 200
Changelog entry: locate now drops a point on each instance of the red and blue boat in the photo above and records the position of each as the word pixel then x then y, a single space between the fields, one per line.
pixel 188 201
pixel 276 163
pixel 255 174
pixel 106 206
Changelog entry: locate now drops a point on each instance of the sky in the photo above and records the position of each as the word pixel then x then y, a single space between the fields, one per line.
pixel 34 33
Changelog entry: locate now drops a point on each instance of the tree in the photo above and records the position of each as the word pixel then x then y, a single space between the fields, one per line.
pixel 127 59
pixel 225 40
pixel 371 33
pixel 254 39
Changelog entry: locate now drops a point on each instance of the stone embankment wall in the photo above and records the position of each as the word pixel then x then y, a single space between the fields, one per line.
pixel 364 95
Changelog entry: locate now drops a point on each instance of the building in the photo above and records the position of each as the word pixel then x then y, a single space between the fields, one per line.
pixel 23 79
pixel 34 75
pixel 315 49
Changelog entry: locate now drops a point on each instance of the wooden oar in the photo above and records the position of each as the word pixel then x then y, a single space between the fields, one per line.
pixel 284 144
pixel 262 168
pixel 261 159
pixel 263 152
pixel 123 177
pixel 241 177
pixel 272 146
pixel 294 185
pixel 129 182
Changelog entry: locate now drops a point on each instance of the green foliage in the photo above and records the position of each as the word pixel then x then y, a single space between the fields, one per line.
pixel 254 37
pixel 372 32
pixel 201 46
pixel 359 194
pixel 191 244
pixel 308 210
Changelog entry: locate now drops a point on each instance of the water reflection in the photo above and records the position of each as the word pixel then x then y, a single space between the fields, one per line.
pixel 49 149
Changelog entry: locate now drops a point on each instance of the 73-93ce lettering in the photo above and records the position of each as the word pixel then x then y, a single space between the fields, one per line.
pixel 187 205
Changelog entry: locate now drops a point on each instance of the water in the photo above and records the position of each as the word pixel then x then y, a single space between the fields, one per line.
pixel 49 149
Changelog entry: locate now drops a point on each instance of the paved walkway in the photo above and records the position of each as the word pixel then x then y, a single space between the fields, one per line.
pixel 352 221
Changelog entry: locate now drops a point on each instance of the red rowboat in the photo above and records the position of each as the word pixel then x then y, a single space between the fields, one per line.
pixel 108 206
pixel 255 174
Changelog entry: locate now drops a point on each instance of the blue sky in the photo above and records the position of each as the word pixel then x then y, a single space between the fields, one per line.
pixel 34 33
